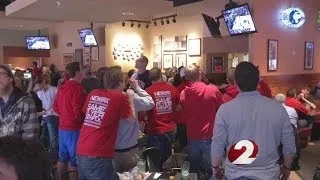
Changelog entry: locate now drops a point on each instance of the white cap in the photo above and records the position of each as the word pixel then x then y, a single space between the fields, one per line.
pixel 182 74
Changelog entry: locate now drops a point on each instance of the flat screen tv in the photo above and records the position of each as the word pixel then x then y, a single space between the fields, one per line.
pixel 87 37
pixel 239 20
pixel 213 26
pixel 38 42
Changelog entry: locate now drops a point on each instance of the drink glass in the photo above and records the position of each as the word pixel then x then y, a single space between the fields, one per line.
pixel 141 165
pixel 185 170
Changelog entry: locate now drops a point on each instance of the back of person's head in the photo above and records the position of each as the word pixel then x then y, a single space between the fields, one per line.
pixel 247 76
pixel 44 79
pixel 280 98
pixel 9 73
pixel 155 74
pixel 100 74
pixel 72 69
pixel 28 158
pixel 230 75
pixel 52 67
pixel 169 73
pixel 131 72
pixel 292 93
pixel 192 73
pixel 35 64
pixel 113 78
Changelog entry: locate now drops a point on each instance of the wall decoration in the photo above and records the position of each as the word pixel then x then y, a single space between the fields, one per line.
pixel 95 52
pixel 308 55
pixel 68 58
pixel 181 60
pixel 167 61
pixel 157 49
pixel 86 60
pixel 127 52
pixel 194 47
pixel 272 55
pixel 86 50
pixel 217 64
pixel 175 43
pixel 293 17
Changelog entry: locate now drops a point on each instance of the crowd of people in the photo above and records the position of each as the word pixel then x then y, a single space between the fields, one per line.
pixel 93 122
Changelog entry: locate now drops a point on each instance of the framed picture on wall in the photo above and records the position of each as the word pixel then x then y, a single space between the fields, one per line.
pixel 174 43
pixel 68 58
pixel 194 47
pixel 308 55
pixel 217 64
pixel 167 61
pixel 272 55
pixel 181 60
pixel 86 60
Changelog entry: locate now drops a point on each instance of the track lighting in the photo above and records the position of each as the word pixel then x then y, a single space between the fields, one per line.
pixel 174 20
pixel 168 22
pixel 147 26
pixel 139 25
pixel 162 22
pixel 155 23
pixel 123 24
pixel 132 24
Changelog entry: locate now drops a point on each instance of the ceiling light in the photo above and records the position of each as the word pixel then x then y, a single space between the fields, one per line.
pixel 123 24
pixel 147 26
pixel 59 3
pixel 174 20
pixel 128 13
pixel 132 24
pixel 139 25
pixel 20 25
pixel 162 22
pixel 168 22
pixel 155 23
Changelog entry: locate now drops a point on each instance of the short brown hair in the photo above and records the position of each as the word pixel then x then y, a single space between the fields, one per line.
pixel 72 69
pixel 192 73
pixel 144 58
pixel 112 78
pixel 44 78
pixel 292 93
pixel 155 74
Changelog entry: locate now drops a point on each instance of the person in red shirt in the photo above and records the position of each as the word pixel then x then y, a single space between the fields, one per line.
pixel 232 90
pixel 68 104
pixel 161 118
pixel 200 102
pixel 36 72
pixel 103 109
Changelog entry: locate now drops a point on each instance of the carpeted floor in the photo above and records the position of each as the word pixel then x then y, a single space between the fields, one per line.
pixel 310 157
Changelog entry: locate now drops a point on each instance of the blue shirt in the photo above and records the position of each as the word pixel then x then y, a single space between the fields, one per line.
pixel 257 125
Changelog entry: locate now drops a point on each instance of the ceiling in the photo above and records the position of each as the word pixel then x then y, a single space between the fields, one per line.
pixel 106 11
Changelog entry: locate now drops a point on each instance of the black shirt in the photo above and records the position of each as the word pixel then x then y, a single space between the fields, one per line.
pixel 144 80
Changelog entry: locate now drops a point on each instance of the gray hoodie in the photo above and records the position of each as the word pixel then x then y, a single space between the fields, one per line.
pixel 129 130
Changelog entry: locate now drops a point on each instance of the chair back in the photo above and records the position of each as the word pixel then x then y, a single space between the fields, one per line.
pixel 154 159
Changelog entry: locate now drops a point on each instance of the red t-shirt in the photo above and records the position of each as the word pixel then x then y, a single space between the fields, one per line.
pixel 161 117
pixel 98 133
pixel 298 106
pixel 200 103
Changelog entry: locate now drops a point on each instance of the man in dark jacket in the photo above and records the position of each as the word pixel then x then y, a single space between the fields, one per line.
pixel 18 115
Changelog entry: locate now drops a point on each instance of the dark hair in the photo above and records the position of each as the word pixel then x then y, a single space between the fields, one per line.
pixel 72 69
pixel 291 93
pixel 155 74
pixel 100 74
pixel 34 63
pixel 9 73
pixel 247 76
pixel 130 73
pixel 28 158
pixel 44 78
pixel 177 79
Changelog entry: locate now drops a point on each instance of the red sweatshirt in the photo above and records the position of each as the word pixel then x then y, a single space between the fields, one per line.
pixel 298 106
pixel 162 116
pixel 68 104
pixel 200 103
pixel 264 89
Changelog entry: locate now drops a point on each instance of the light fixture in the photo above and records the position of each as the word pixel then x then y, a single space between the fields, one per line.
pixel 139 25
pixel 162 22
pixel 123 24
pixel 168 22
pixel 147 26
pixel 59 3
pixel 174 20
pixel 293 17
pixel 132 24
pixel 155 23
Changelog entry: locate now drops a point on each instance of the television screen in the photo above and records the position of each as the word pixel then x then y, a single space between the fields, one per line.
pixel 212 25
pixel 87 37
pixel 37 42
pixel 239 20
pixel 27 75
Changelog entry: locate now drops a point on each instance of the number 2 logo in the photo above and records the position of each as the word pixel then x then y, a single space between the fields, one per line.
pixel 243 152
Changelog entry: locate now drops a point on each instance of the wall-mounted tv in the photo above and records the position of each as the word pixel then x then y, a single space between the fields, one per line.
pixel 239 20
pixel 38 42
pixel 87 37
pixel 213 26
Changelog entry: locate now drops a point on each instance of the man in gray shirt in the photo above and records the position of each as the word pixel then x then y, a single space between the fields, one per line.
pixel 248 132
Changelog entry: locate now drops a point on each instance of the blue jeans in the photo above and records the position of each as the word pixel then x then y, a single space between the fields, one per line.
pixel 200 152
pixel 94 168
pixel 52 122
pixel 68 146
pixel 163 142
